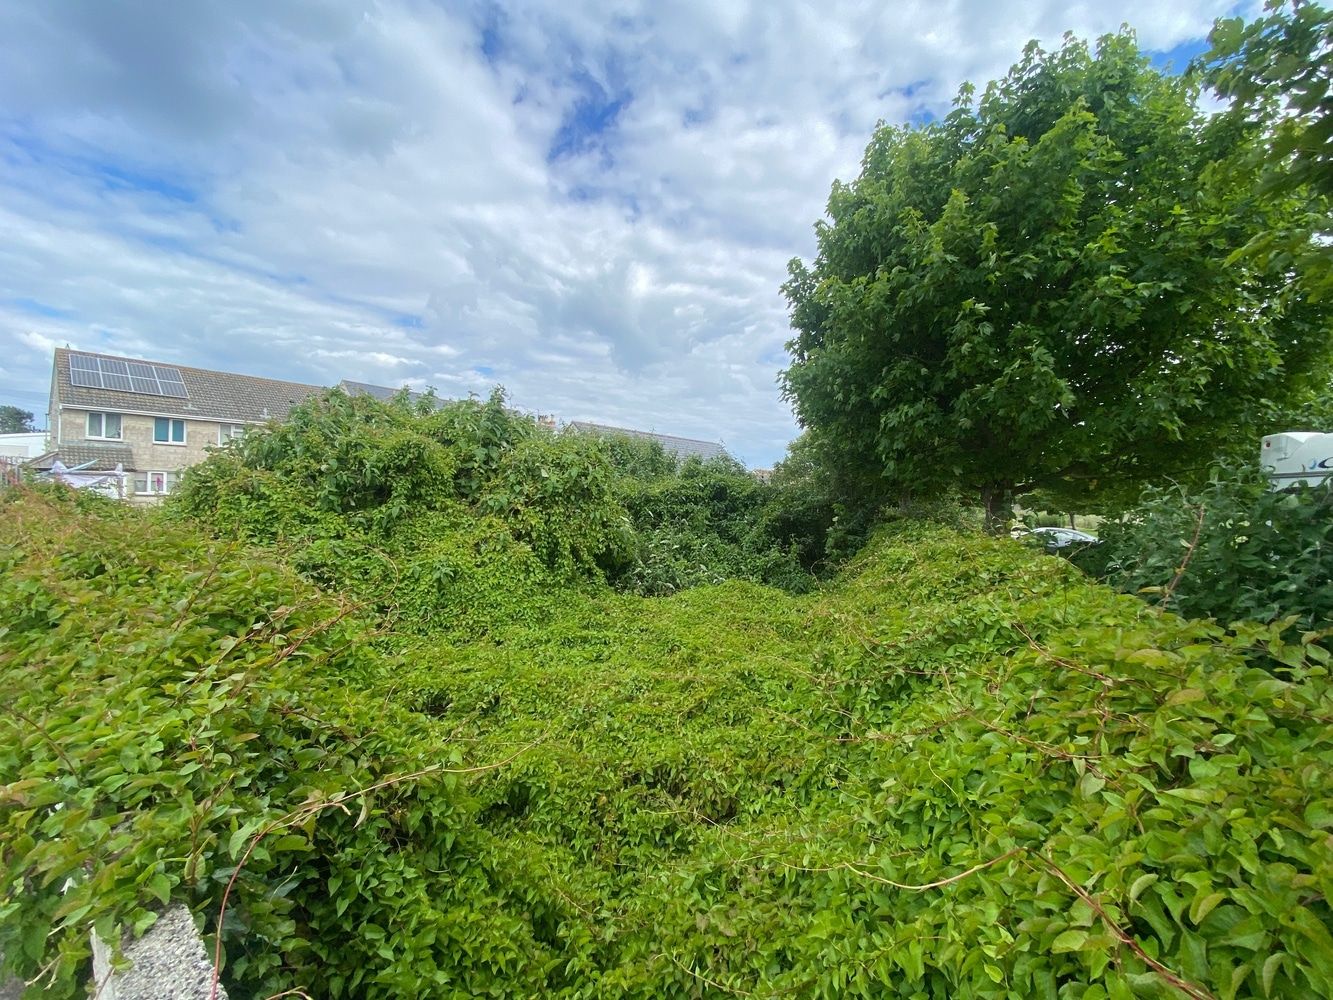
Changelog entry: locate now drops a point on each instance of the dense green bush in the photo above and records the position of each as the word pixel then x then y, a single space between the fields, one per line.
pixel 169 698
pixel 1232 550
pixel 704 523
pixel 417 509
pixel 959 770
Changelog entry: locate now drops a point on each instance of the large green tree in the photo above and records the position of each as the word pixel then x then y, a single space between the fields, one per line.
pixel 1038 290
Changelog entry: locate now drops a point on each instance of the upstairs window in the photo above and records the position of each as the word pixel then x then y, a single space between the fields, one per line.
pixel 229 432
pixel 104 425
pixel 168 431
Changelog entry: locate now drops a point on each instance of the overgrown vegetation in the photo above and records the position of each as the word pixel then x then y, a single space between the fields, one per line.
pixel 430 504
pixel 958 770
pixel 1234 549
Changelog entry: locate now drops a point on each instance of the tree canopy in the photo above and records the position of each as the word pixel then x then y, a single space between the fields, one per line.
pixel 15 421
pixel 1038 290
pixel 1280 68
pixel 1284 59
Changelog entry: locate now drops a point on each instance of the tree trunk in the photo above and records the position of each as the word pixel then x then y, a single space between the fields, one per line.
pixel 996 499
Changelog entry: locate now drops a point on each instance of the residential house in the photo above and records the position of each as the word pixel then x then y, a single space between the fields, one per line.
pixel 682 448
pixel 152 420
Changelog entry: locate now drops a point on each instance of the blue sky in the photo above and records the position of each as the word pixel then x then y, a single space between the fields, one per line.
pixel 591 204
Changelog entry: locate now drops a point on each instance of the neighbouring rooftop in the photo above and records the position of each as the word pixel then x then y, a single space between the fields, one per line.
pixel 680 447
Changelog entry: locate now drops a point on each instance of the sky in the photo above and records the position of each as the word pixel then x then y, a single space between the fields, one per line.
pixel 591 204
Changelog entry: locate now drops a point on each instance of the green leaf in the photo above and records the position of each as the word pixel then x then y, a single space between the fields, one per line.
pixel 1270 969
pixel 1070 940
pixel 1139 884
pixel 160 886
pixel 1204 905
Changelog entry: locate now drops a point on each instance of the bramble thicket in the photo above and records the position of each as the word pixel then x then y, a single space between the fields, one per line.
pixel 368 681
pixel 420 699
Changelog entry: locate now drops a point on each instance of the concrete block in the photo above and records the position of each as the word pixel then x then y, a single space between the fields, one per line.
pixel 169 962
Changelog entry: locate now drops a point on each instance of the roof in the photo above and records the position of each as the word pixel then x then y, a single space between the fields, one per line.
pixel 104 457
pixel 382 392
pixel 210 394
pixel 681 447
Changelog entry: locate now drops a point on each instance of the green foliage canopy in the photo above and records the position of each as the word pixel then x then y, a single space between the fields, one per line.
pixel 1283 60
pixel 14 420
pixel 1038 290
pixel 1279 69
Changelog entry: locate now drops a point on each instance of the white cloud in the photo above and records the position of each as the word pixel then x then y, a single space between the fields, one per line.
pixel 592 204
pixel 42 344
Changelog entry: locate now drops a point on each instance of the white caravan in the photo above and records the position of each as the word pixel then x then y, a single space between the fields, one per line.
pixel 1297 458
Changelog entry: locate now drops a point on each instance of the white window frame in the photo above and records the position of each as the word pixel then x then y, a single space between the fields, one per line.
pixel 171 421
pixel 102 415
pixel 230 432
pixel 170 480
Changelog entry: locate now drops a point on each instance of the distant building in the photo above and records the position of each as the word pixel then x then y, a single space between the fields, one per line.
pixel 151 420
pixel 682 448
pixel 25 444
pixel 383 392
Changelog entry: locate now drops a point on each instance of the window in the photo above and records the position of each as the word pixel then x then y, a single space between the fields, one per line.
pixel 168 431
pixel 155 483
pixel 104 425
pixel 229 432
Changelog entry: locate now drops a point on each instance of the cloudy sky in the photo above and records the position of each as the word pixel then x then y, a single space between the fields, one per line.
pixel 592 204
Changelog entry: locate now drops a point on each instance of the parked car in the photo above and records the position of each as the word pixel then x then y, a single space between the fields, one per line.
pixel 1059 538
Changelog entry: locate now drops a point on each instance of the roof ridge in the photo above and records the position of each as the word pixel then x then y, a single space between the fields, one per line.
pixel 635 430
pixel 188 368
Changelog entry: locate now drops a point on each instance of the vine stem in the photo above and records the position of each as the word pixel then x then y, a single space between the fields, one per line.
pixel 938 883
pixel 1191 990
pixel 314 808
pixel 704 979
pixel 1184 563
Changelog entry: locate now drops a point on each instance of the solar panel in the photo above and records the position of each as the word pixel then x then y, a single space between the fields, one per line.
pixel 170 380
pixel 121 383
pixel 167 374
pixel 125 376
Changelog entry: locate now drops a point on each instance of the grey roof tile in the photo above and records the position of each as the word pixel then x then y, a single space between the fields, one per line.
pixel 679 446
pixel 218 395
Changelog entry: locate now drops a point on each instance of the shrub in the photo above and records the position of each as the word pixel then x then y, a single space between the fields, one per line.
pixel 708 522
pixel 1232 550
pixel 456 516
